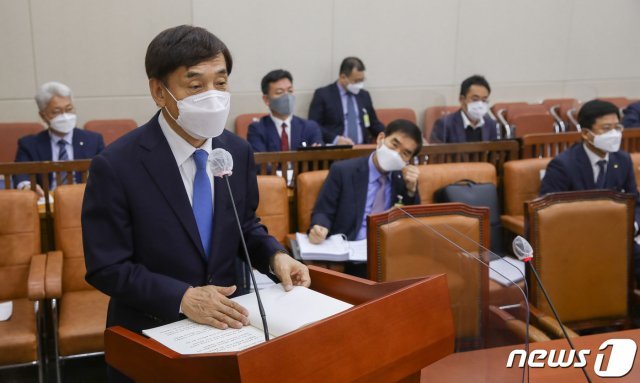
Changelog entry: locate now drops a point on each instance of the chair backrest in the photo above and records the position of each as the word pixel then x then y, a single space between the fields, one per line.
pixel 435 176
pixel 530 118
pixel 635 157
pixel 404 244
pixel 244 120
pixel 389 114
pixel 308 188
pixel 68 235
pixel 432 114
pixel 498 106
pixel 582 243
pixel 547 144
pixel 10 133
pixel 111 130
pixel 521 183
pixel 620 102
pixel 561 106
pixel 273 208
pixel 19 240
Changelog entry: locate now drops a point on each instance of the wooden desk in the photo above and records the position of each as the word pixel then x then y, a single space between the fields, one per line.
pixel 490 365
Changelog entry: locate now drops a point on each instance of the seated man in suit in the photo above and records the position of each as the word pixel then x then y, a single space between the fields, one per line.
pixel 597 162
pixel 281 131
pixel 344 109
pixel 631 118
pixel 471 123
pixel 62 141
pixel 362 186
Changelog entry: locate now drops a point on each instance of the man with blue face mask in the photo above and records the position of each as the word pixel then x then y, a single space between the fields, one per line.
pixel 61 141
pixel 597 162
pixel 472 122
pixel 358 187
pixel 159 230
pixel 281 131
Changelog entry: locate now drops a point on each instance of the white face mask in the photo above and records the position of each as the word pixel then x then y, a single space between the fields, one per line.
pixel 355 88
pixel 203 115
pixel 63 123
pixel 389 160
pixel 609 141
pixel 477 109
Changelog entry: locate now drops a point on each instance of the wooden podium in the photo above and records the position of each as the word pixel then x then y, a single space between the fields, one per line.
pixel 392 332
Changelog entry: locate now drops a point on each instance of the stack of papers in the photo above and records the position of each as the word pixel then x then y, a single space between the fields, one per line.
pixel 335 248
pixel 6 309
pixel 506 271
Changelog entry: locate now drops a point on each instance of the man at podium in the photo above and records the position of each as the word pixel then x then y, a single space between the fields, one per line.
pixel 159 231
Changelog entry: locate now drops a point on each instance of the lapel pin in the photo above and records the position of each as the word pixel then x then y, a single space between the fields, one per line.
pixel 82 143
pixel 615 166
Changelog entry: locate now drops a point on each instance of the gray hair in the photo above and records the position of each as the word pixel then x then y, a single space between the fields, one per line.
pixel 50 89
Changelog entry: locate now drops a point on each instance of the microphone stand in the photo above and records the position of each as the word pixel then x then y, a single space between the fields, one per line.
pixel 246 253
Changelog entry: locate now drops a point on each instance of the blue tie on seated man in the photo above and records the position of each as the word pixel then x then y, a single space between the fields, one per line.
pixel 62 140
pixel 344 108
pixel 471 123
pixel 597 162
pixel 281 130
pixel 358 187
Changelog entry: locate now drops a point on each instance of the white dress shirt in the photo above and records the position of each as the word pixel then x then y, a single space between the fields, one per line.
pixel 467 122
pixel 183 153
pixel 594 158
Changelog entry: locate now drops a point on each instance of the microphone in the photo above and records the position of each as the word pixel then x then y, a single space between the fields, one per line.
pixel 221 164
pixel 523 250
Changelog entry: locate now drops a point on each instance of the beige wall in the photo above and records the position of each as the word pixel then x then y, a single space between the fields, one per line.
pixel 416 51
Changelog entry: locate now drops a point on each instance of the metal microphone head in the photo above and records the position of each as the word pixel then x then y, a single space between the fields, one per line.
pixel 221 162
pixel 522 249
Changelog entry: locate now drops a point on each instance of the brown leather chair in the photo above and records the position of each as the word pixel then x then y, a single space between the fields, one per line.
pixel 390 114
pixel 435 176
pixel 559 107
pixel 529 119
pixel 22 275
pixel 433 114
pixel 273 208
pixel 414 242
pixel 308 188
pixel 79 311
pixel 635 158
pixel 111 130
pixel 10 133
pixel 521 183
pixel 582 244
pixel 244 120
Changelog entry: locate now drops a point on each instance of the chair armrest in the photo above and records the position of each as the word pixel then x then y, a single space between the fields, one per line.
pixel 53 277
pixel 517 326
pixel 35 284
pixel 549 324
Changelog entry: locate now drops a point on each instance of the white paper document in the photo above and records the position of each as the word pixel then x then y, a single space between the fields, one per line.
pixel 512 269
pixel 285 312
pixel 6 309
pixel 335 248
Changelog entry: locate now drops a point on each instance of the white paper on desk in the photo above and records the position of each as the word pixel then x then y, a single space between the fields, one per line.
pixel 6 309
pixel 358 250
pixel 508 267
pixel 42 202
pixel 288 311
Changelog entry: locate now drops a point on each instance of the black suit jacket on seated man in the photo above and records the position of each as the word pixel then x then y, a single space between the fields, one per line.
pixel 341 203
pixel 326 109
pixel 140 234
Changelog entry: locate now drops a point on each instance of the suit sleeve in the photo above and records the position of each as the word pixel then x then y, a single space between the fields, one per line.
pixel 100 144
pixel 555 179
pixel 260 244
pixel 317 111
pixel 314 133
pixel 632 188
pixel 493 132
pixel 631 116
pixel 325 210
pixel 438 133
pixel 256 139
pixel 22 155
pixel 376 125
pixel 108 241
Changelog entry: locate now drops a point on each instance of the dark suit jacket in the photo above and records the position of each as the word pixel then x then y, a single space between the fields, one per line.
pixel 572 171
pixel 326 110
pixel 451 129
pixel 631 118
pixel 36 148
pixel 341 202
pixel 141 242
pixel 264 135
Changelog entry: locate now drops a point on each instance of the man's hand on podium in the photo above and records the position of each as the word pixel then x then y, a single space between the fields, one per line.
pixel 289 271
pixel 210 305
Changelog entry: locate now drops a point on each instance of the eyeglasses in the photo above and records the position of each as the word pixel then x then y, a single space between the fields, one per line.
pixel 56 112
pixel 609 127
